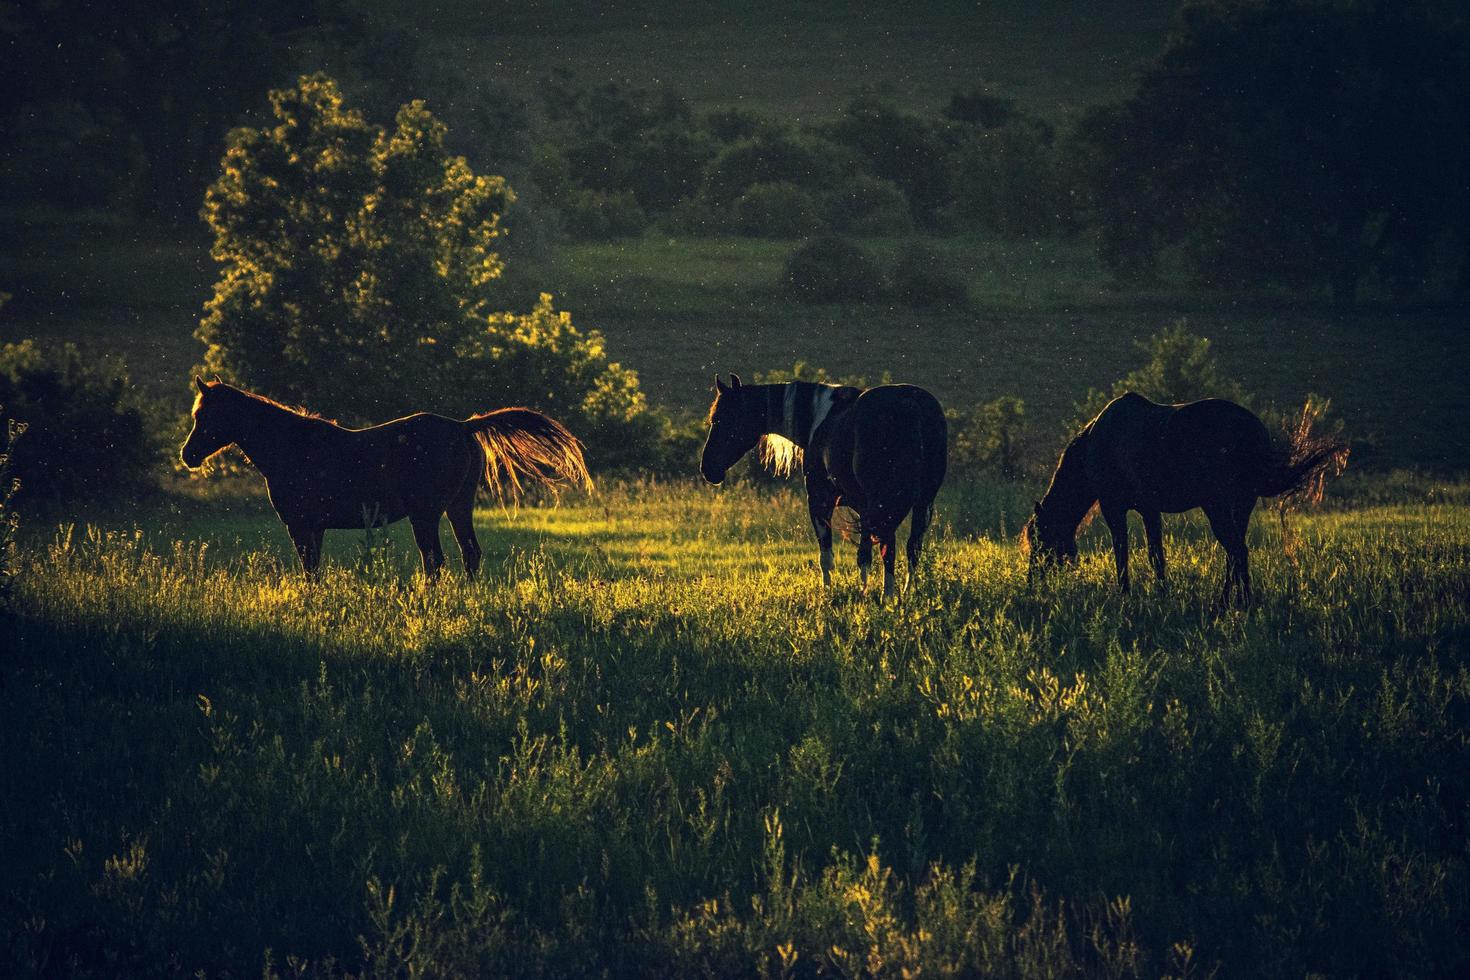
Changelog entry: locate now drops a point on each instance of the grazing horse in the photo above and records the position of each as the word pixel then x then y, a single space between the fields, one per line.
pixel 321 475
pixel 1139 455
pixel 880 451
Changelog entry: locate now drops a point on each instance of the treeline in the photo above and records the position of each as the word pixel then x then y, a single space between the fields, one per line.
pixel 1300 145
pixel 1303 145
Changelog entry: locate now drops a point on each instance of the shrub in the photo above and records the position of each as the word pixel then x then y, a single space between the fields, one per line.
pixel 600 216
pixel 924 277
pixel 771 156
pixel 866 205
pixel 1180 368
pixel 88 433
pixel 830 269
pixel 992 437
pixel 776 210
pixel 540 358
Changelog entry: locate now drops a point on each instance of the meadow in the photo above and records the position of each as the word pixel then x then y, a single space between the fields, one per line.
pixel 645 743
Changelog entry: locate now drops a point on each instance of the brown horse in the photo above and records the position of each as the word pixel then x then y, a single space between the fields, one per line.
pixel 1139 455
pixel 880 451
pixel 321 475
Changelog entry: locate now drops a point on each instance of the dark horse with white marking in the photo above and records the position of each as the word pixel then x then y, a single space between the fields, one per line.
pixel 1139 455
pixel 322 475
pixel 880 451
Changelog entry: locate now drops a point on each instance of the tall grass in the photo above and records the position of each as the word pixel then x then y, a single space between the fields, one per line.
pixel 645 743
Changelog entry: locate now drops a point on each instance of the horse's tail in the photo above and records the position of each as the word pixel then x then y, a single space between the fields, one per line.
pixel 523 445
pixel 1296 467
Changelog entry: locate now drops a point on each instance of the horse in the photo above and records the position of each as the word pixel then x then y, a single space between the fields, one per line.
pixel 322 475
pixel 880 451
pixel 1139 455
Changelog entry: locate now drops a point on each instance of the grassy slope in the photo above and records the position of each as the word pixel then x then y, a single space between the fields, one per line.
pixel 646 716
pixel 1055 57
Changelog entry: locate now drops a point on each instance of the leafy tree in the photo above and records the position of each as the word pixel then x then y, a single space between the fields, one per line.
pixel 1180 368
pixel 1300 142
pixel 357 271
pixel 994 436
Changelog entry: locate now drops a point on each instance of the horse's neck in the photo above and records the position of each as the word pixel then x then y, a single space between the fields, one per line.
pixel 267 434
pixel 1070 495
pixel 795 410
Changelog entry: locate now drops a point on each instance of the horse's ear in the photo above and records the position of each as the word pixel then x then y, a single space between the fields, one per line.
pixel 720 385
pixel 734 380
pixel 199 383
pixel 218 380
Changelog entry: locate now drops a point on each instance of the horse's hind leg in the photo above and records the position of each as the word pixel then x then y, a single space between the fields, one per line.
pixel 918 524
pixel 864 554
pixel 461 519
pixel 1117 521
pixel 426 535
pixel 888 550
pixel 1229 522
pixel 308 542
pixel 1153 531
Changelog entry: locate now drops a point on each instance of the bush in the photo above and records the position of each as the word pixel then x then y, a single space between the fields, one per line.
pixel 776 210
pixel 924 277
pixel 865 205
pixel 1180 368
pixel 600 216
pixel 769 157
pixel 540 358
pixel 993 437
pixel 88 433
pixel 832 270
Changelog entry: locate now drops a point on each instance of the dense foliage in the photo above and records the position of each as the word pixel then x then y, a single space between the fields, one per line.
pixel 647 744
pixel 89 434
pixel 357 266
pixel 1303 143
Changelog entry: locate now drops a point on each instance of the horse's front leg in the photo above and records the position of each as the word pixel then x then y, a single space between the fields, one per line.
pixel 820 503
pixel 1117 521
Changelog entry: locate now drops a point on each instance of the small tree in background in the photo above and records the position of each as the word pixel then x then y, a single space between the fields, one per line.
pixel 357 272
pixel 1180 368
pixel 352 258
pixel 991 437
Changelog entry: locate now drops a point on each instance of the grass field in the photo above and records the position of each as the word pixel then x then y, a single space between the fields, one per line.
pixel 1054 57
pixel 645 744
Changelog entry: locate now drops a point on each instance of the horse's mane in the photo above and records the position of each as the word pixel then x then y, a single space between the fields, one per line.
pixel 300 410
pixel 779 454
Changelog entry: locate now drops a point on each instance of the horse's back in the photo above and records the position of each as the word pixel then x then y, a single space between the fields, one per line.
pixel 1172 457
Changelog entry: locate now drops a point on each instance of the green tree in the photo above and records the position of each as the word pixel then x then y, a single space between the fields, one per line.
pixel 1298 142
pixel 1180 368
pixel 357 271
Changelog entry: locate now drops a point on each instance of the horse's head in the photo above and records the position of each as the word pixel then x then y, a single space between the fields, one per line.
pixel 213 423
pixel 734 429
pixel 1048 542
